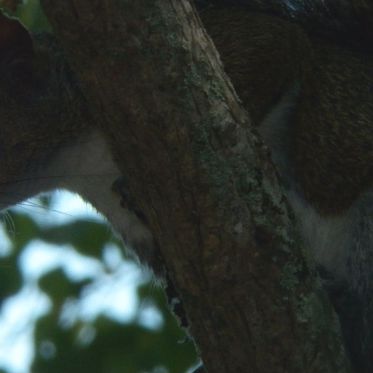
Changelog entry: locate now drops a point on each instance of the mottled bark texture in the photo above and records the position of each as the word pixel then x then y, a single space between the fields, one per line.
pixel 204 181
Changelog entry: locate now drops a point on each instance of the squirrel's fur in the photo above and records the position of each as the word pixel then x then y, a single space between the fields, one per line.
pixel 310 95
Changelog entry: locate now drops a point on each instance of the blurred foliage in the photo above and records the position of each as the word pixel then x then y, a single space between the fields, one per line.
pixel 32 16
pixel 113 346
pixel 102 344
pixel 116 347
pixel 10 280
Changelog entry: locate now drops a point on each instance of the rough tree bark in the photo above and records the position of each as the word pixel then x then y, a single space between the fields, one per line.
pixel 205 182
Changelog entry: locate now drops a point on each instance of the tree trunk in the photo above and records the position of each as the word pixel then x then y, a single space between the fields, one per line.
pixel 205 183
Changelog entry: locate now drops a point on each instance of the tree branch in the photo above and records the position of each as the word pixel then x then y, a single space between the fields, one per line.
pixel 205 182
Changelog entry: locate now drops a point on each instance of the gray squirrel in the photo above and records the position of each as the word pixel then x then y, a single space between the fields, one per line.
pixel 311 101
